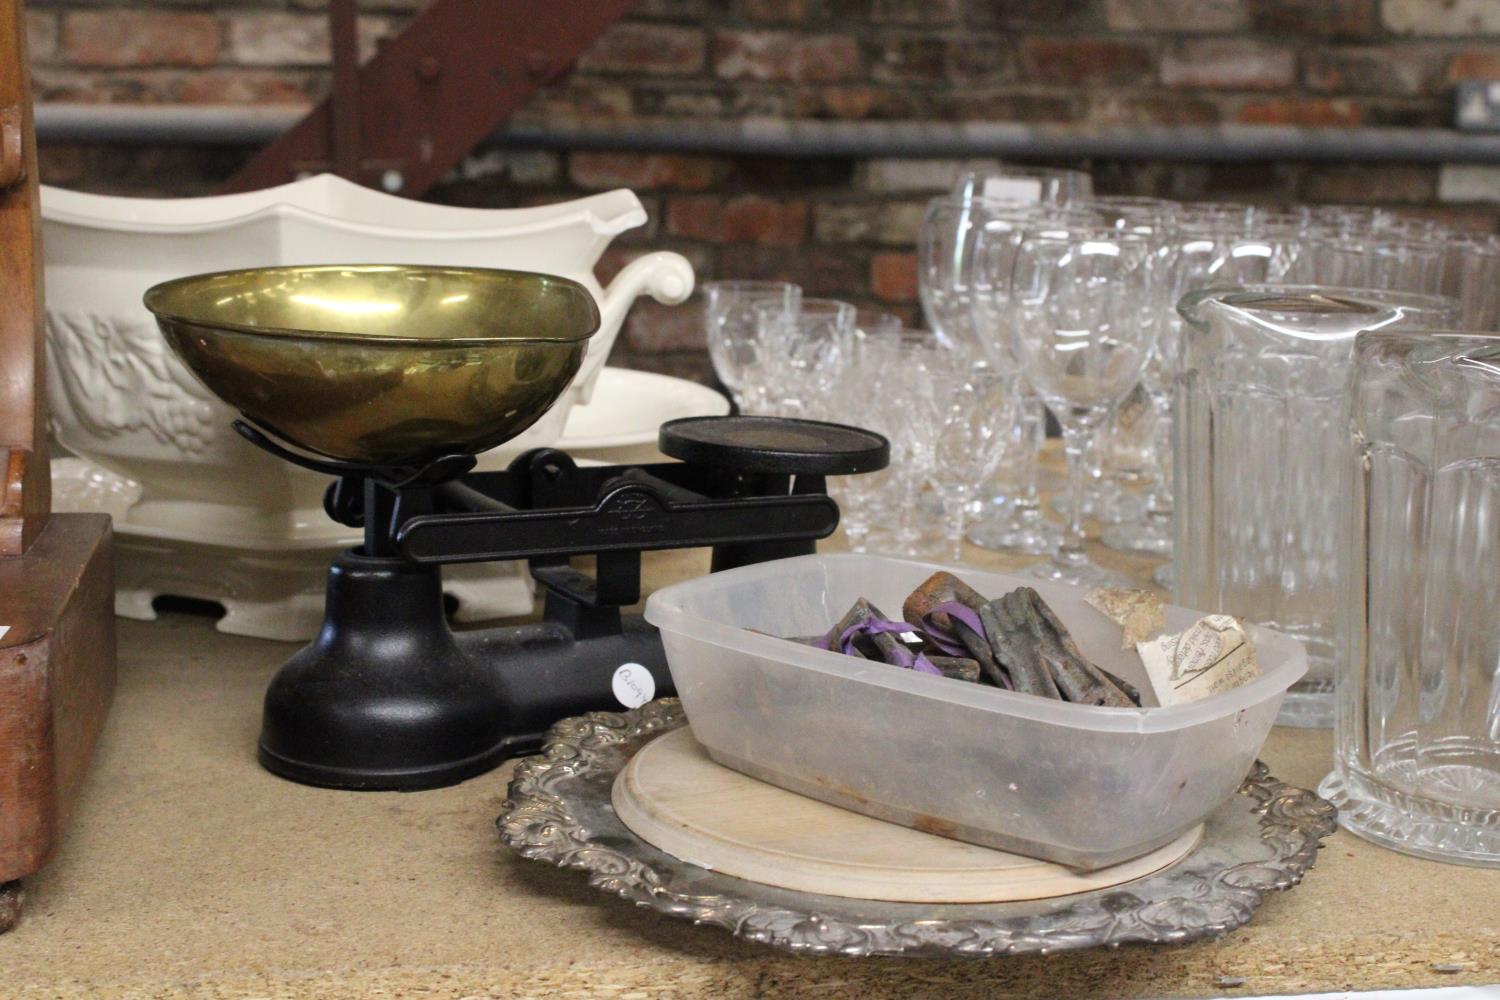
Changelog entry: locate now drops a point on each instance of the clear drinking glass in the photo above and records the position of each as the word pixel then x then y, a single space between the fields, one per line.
pixel 1036 185
pixel 900 367
pixel 1338 259
pixel 860 397
pixel 1105 498
pixel 1013 519
pixel 1471 274
pixel 1082 335
pixel 800 352
pixel 945 273
pixel 1347 218
pixel 871 322
pixel 1406 264
pixel 729 321
pixel 1417 723
pixel 1208 245
pixel 1016 523
pixel 1260 440
pixel 972 410
pixel 945 283
pixel 1131 455
pixel 1210 253
pixel 1152 531
pixel 1143 524
pixel 943 247
pixel 1380 259
pixel 1231 213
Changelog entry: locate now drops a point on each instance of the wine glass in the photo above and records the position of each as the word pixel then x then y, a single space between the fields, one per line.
pixel 1109 503
pixel 862 498
pixel 1200 245
pixel 944 245
pixel 729 321
pixel 1017 524
pixel 1083 334
pixel 898 371
pixel 1151 530
pixel 1471 275
pixel 887 363
pixel 800 352
pixel 1035 185
pixel 971 410
pixel 872 322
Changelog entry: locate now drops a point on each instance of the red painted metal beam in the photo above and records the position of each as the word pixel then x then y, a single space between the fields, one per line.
pixel 343 37
pixel 459 69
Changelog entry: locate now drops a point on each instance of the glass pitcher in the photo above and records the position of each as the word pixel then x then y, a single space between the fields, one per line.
pixel 1417 722
pixel 1260 442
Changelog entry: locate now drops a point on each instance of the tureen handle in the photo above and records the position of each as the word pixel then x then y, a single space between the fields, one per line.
pixel 666 276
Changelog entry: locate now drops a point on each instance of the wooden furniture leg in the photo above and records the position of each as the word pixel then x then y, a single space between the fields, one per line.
pixel 57 639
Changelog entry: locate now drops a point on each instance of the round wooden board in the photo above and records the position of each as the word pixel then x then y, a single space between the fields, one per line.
pixel 674 797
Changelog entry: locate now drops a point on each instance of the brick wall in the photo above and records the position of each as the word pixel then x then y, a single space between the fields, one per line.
pixel 840 227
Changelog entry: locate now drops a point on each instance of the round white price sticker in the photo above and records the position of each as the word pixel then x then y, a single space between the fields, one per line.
pixel 633 685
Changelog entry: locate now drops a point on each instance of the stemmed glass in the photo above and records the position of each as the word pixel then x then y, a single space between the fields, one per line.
pixel 897 382
pixel 1471 275
pixel 867 502
pixel 871 322
pixel 944 245
pixel 1017 525
pixel 1082 301
pixel 949 227
pixel 1196 245
pixel 1104 497
pixel 1034 185
pixel 971 412
pixel 729 321
pixel 1108 501
pixel 800 354
pixel 1151 530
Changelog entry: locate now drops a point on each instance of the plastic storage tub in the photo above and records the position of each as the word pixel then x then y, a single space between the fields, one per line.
pixel 1086 787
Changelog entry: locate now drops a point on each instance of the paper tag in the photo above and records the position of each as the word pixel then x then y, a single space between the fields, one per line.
pixel 1211 657
pixel 1013 188
pixel 633 685
pixel 1139 613
pixel 4 629
pixel 905 637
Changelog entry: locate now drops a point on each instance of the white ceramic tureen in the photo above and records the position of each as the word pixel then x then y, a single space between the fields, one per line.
pixel 120 399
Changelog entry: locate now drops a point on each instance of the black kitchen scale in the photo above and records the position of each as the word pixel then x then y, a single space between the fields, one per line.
pixel 389 697
pixel 391 378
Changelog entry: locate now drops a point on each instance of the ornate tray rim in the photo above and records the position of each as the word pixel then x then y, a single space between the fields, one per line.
pixel 558 811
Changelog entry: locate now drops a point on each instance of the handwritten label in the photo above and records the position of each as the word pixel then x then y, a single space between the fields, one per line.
pixel 1013 188
pixel 633 685
pixel 1211 657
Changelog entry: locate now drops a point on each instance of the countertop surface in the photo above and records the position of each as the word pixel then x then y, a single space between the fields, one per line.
pixel 190 872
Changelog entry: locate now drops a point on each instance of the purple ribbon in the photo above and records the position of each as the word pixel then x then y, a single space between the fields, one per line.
pixel 876 626
pixel 958 612
pixel 942 637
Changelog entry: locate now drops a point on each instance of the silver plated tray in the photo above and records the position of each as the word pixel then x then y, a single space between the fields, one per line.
pixel 558 811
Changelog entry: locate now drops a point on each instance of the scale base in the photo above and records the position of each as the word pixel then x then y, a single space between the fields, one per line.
pixel 387 780
pixel 387 697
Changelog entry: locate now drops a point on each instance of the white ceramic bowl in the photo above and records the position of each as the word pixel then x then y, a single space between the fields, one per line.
pixel 120 399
